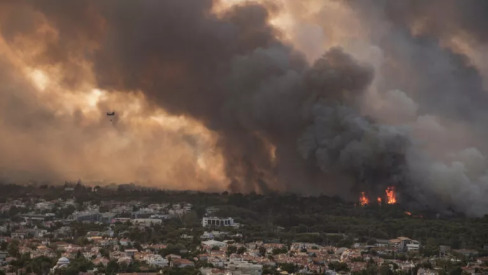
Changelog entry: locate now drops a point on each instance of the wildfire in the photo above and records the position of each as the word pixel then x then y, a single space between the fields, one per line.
pixel 389 199
pixel 363 200
pixel 390 195
pixel 408 213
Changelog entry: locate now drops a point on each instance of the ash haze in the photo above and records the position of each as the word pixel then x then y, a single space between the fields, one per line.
pixel 332 97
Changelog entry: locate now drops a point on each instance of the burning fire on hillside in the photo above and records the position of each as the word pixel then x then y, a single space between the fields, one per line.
pixel 390 197
pixel 363 200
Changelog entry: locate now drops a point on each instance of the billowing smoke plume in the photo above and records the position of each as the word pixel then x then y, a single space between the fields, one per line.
pixel 404 107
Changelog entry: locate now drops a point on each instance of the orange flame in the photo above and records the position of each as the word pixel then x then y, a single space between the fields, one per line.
pixel 390 195
pixel 379 200
pixel 408 213
pixel 363 200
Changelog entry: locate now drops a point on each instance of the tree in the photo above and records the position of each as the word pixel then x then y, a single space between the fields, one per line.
pixel 371 268
pixel 270 270
pixel 456 271
pixel 104 252
pixel 289 267
pixel 112 267
pixel 231 250
pixel 277 251
pixel 138 246
pixel 262 251
pixel 78 264
pixel 13 249
pixel 41 265
pixel 385 269
pixel 190 219
pixel 241 250
pixel 338 266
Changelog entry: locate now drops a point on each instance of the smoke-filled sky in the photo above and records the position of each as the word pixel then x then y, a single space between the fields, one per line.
pixel 317 96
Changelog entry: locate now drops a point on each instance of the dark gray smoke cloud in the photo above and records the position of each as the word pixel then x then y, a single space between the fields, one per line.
pixel 447 167
pixel 282 124
pixel 438 78
pixel 342 140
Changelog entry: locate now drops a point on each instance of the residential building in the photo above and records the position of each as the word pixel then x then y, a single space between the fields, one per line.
pixel 214 221
pixel 237 267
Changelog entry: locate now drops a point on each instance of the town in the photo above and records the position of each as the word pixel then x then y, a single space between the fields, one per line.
pixel 69 235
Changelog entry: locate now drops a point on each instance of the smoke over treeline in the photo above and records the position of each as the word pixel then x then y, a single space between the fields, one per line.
pixel 239 102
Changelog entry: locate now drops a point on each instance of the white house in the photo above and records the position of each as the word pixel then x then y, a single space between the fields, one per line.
pixel 63 262
pixel 156 260
pixel 214 221
pixel 243 267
